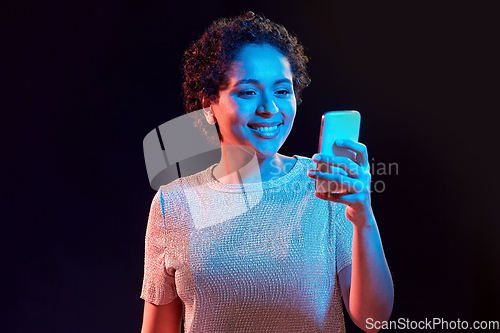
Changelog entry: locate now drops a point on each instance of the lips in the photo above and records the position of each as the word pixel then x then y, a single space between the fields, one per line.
pixel 266 130
pixel 265 126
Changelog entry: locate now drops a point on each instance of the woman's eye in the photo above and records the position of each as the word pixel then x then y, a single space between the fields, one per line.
pixel 283 92
pixel 247 93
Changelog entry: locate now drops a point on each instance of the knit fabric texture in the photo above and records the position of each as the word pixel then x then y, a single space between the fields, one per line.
pixel 259 257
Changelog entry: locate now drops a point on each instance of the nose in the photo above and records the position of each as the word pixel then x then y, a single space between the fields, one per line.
pixel 267 106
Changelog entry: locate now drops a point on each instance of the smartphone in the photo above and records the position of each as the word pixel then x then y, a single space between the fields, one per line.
pixel 336 125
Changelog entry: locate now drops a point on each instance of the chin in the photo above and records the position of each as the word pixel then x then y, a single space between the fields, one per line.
pixel 266 152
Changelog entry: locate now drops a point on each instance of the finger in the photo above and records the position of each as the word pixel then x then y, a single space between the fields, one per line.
pixel 337 182
pixel 312 173
pixel 359 148
pixel 325 196
pixel 336 197
pixel 348 199
pixel 345 163
pixel 325 167
pixel 343 198
pixel 327 182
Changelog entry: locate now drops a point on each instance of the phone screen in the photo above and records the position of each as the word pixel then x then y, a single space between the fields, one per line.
pixel 336 125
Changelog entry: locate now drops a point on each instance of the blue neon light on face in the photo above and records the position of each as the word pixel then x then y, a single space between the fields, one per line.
pixel 259 97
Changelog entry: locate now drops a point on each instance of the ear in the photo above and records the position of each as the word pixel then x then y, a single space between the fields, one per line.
pixel 209 116
pixel 207 110
pixel 205 103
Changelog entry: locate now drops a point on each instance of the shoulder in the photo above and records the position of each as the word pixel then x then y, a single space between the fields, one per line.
pixel 302 165
pixel 181 184
pixel 305 161
pixel 172 196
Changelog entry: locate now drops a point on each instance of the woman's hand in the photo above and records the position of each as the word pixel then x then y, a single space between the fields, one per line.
pixel 351 177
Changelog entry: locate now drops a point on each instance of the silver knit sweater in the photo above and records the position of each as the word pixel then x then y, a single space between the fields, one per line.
pixel 260 257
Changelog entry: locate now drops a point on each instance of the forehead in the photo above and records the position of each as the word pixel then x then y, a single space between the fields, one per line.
pixel 260 62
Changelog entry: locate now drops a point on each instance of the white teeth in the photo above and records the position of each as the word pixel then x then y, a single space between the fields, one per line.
pixel 266 129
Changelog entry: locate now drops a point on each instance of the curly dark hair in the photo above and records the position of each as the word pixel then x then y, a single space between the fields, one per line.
pixel 206 61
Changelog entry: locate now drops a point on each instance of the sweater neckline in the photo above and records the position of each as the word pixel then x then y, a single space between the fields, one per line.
pixel 214 184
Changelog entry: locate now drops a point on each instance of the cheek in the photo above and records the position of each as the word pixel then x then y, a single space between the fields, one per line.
pixel 226 114
pixel 288 105
pixel 289 112
pixel 245 107
pixel 232 121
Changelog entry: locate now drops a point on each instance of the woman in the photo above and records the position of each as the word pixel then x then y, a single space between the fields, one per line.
pixel 248 245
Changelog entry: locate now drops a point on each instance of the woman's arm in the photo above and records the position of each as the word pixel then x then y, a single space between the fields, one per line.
pixel 162 318
pixel 366 284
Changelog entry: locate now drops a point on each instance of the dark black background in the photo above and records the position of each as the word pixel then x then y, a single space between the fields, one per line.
pixel 82 83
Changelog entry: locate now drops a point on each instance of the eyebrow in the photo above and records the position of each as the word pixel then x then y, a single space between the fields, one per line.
pixel 253 81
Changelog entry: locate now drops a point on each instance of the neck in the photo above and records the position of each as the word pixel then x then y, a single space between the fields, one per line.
pixel 241 165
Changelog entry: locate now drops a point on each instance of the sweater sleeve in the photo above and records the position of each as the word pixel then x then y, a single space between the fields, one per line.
pixel 343 237
pixel 159 283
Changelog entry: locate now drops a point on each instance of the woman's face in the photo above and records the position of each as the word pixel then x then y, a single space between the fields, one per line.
pixel 258 107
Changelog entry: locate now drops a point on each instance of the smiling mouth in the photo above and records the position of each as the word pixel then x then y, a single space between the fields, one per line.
pixel 264 129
